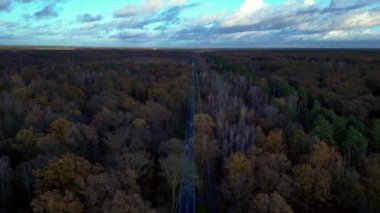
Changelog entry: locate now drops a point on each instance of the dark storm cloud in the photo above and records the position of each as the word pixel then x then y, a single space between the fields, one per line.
pixel 89 18
pixel 47 11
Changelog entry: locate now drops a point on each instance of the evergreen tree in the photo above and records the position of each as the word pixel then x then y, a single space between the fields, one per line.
pixel 324 130
pixel 355 145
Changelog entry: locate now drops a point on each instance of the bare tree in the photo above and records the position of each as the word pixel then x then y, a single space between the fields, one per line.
pixel 5 178
pixel 172 167
pixel 24 174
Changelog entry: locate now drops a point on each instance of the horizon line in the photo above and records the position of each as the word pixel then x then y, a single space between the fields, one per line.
pixel 76 47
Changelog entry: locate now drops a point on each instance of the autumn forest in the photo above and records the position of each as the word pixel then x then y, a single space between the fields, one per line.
pixel 107 130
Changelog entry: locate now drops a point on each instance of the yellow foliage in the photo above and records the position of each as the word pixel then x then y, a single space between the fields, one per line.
pixel 23 93
pixel 204 124
pixel 157 91
pixel 59 127
pixel 73 91
pixel 53 201
pixel 324 156
pixel 274 143
pixel 238 164
pixel 314 184
pixel 263 203
pixel 130 103
pixel 139 123
pixel 17 80
pixel 27 136
pixel 206 150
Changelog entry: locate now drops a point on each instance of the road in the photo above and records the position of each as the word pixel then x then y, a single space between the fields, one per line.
pixel 187 197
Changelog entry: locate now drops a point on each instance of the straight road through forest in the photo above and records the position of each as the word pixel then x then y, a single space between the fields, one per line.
pixel 187 189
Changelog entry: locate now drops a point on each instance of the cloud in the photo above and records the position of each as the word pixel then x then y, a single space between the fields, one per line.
pixel 7 37
pixel 147 7
pixel 130 36
pixel 344 3
pixel 89 18
pixel 309 2
pixel 295 20
pixel 5 5
pixel 349 3
pixel 250 6
pixel 47 11
pixel 164 18
pixel 253 23
pixel 51 2
pixel 140 39
pixel 363 19
pixel 90 30
pixel 351 35
pixel 244 14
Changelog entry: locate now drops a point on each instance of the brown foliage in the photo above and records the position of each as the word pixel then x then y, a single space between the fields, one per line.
pixel 61 173
pixel 274 143
pixel 269 203
pixel 55 201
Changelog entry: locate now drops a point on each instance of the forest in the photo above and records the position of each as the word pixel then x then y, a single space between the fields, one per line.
pixel 103 130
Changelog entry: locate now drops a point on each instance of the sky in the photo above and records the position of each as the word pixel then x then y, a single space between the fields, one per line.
pixel 192 23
